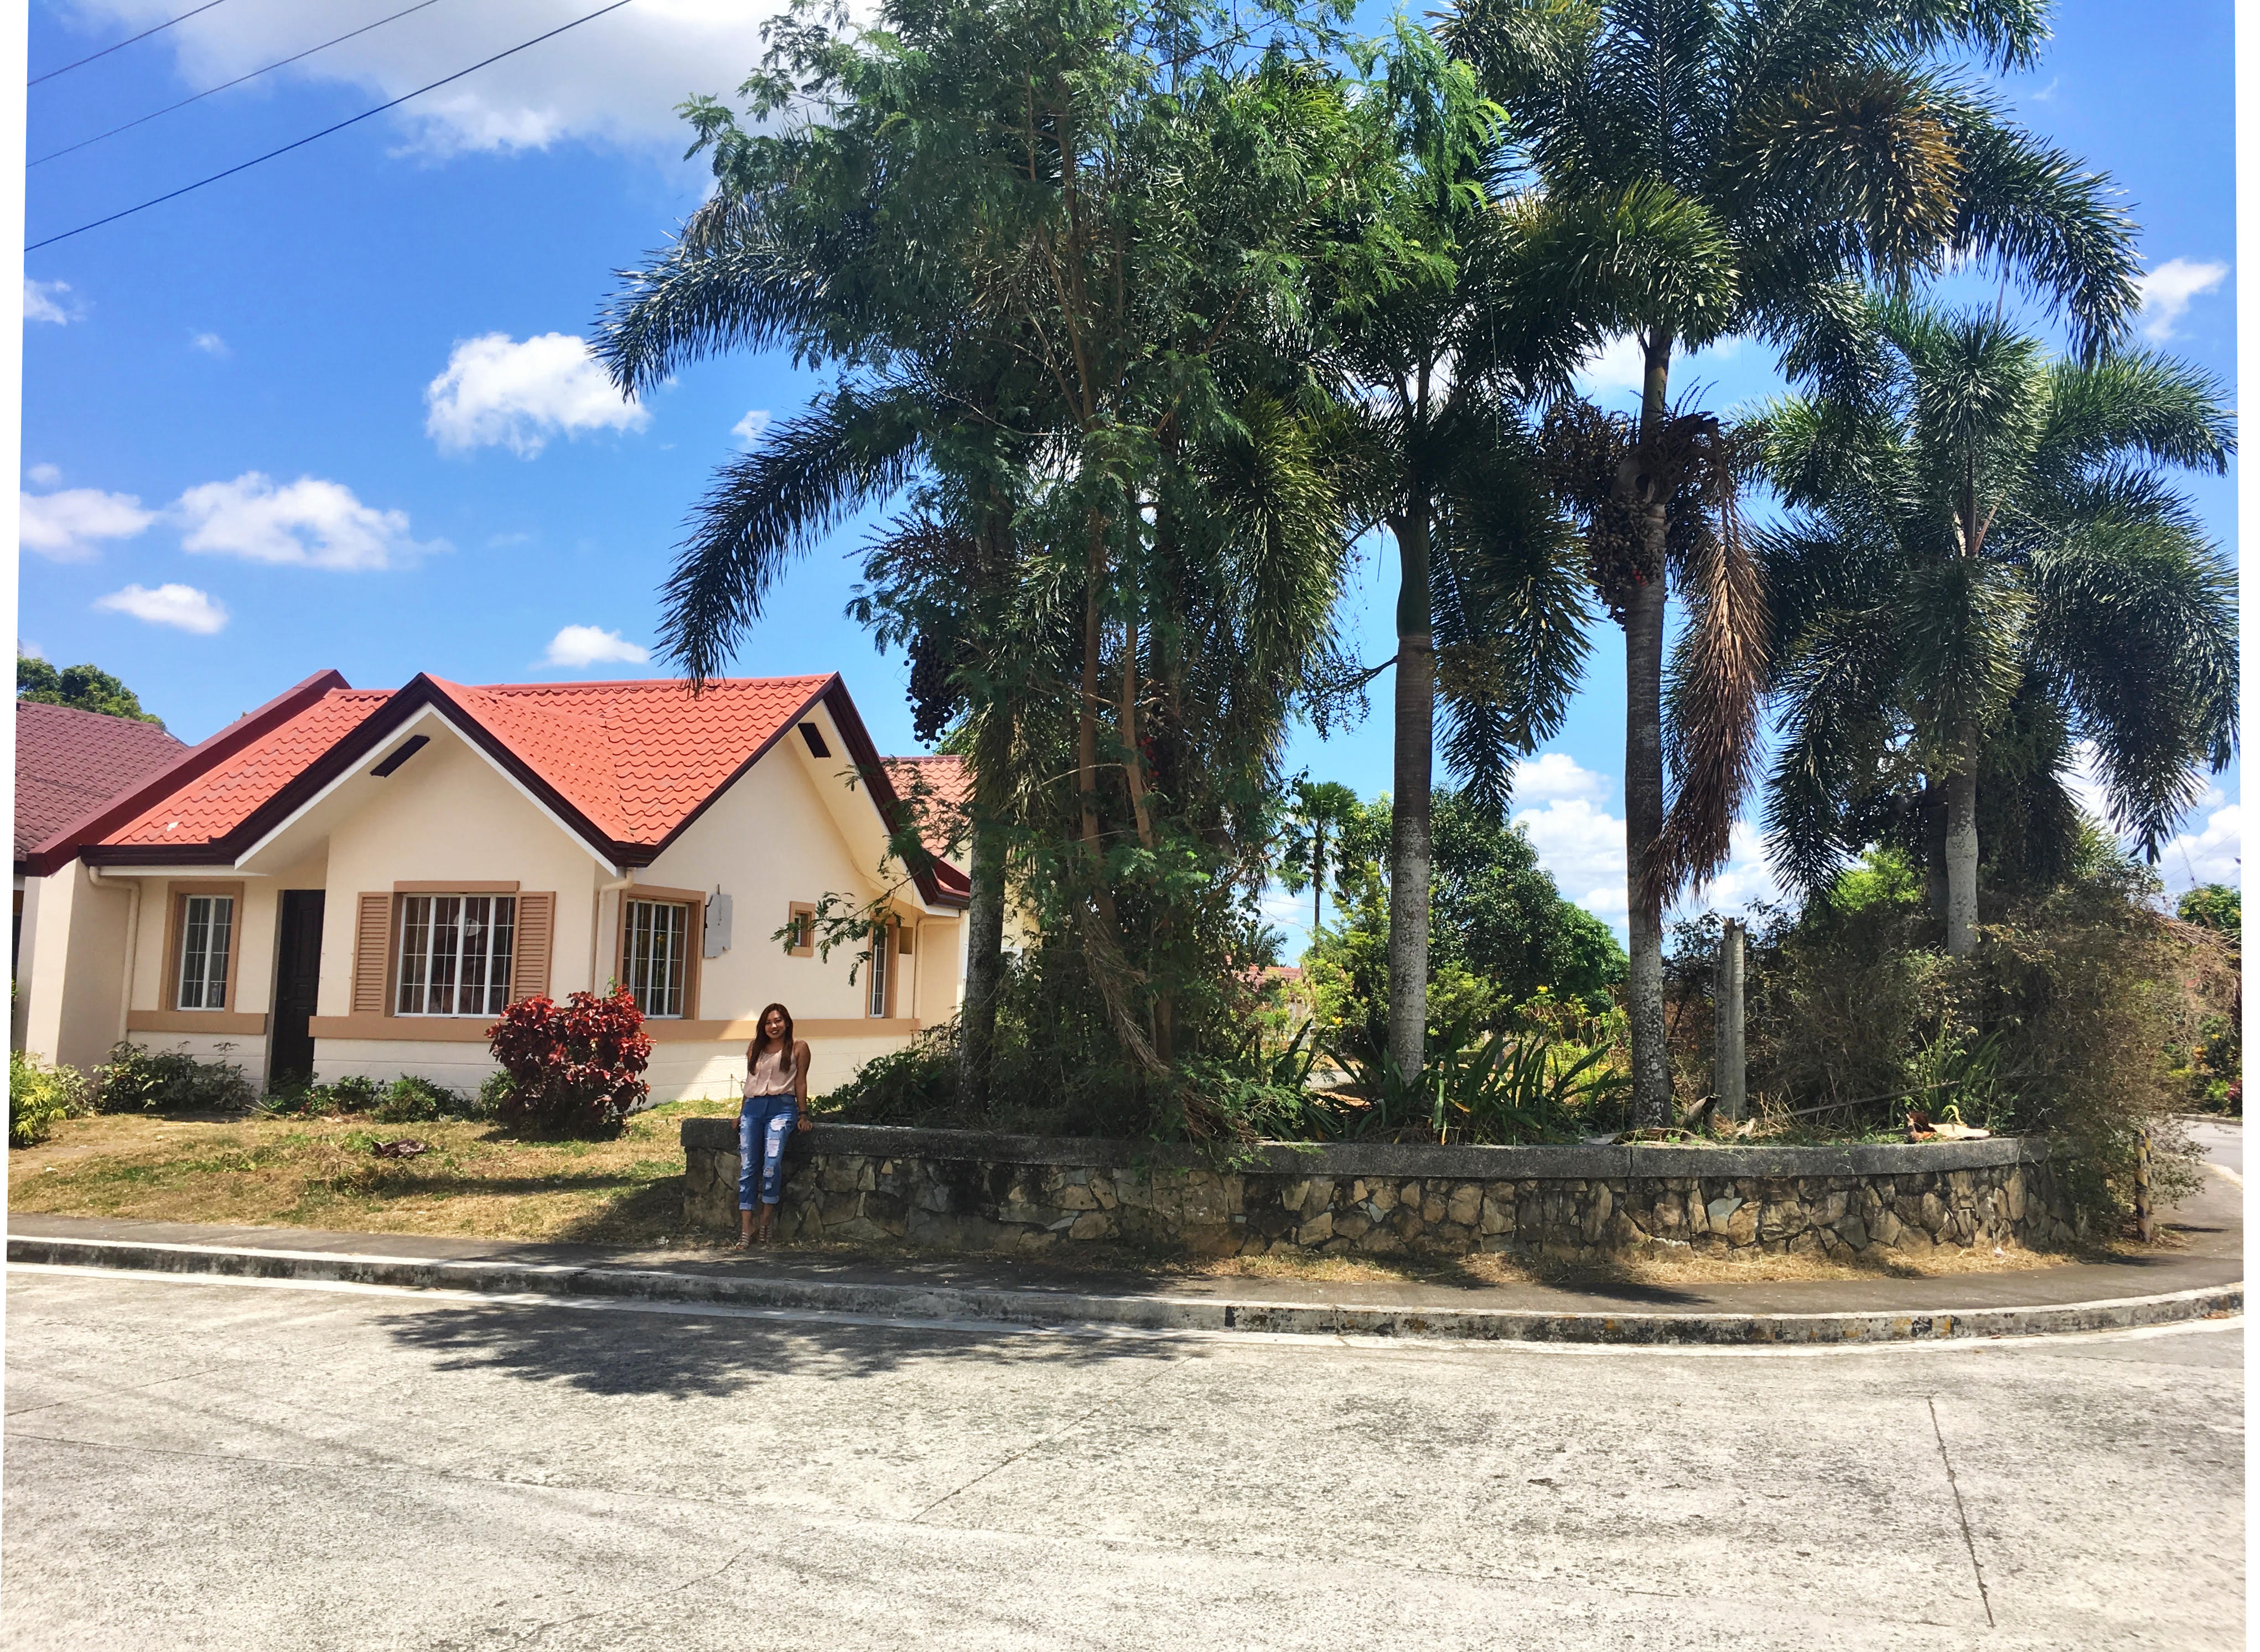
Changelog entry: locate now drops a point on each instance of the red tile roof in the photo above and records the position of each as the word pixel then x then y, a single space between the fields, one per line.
pixel 629 764
pixel 68 761
pixel 945 782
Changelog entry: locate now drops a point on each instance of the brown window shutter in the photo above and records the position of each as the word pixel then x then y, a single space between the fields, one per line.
pixel 529 965
pixel 372 956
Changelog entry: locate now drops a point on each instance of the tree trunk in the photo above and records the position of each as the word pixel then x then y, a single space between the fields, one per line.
pixel 1962 849
pixel 1643 781
pixel 984 923
pixel 1318 878
pixel 1651 1073
pixel 1409 836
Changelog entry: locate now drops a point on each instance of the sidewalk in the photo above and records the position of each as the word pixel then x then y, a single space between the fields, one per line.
pixel 2202 1276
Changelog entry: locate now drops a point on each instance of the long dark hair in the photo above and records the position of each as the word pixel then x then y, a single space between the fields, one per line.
pixel 761 1037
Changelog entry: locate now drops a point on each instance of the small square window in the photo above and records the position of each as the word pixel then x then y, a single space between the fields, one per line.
pixel 800 920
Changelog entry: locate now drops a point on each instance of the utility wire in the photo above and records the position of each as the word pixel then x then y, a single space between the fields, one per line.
pixel 107 50
pixel 172 195
pixel 238 81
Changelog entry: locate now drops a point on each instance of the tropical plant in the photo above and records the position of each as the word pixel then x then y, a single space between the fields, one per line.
pixel 1317 811
pixel 1056 251
pixel 1716 169
pixel 137 1079
pixel 1438 347
pixel 39 1096
pixel 1986 568
pixel 575 1067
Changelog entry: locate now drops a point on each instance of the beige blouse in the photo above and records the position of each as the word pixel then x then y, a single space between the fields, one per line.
pixel 768 1076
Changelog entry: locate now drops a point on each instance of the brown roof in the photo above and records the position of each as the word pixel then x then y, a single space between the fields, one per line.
pixel 68 761
pixel 627 765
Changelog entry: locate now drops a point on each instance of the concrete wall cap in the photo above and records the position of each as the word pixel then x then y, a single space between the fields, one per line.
pixel 1584 1161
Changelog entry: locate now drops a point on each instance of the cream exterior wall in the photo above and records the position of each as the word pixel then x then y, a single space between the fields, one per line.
pixel 74 938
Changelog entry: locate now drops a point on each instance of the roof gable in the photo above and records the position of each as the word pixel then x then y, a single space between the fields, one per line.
pixel 628 765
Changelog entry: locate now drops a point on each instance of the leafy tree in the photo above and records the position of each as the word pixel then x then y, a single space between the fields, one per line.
pixel 2215 906
pixel 84 687
pixel 1054 252
pixel 1503 935
pixel 1716 169
pixel 1987 554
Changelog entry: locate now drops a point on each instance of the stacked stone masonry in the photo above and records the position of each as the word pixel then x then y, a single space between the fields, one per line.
pixel 967 1192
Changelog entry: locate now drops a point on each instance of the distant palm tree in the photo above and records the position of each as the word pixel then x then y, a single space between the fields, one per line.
pixel 1715 168
pixel 1986 539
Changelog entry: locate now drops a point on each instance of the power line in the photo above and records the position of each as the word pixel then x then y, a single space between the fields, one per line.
pixel 107 50
pixel 238 81
pixel 172 195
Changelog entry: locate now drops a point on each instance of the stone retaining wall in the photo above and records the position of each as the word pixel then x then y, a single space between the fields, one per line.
pixel 966 1191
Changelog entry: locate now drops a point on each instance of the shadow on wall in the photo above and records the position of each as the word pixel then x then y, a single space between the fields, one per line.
pixel 679 1353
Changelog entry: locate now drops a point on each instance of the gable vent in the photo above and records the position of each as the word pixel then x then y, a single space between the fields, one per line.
pixel 814 736
pixel 408 748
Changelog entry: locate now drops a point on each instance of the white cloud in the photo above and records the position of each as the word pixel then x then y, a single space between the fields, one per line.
pixel 1583 848
pixel 498 393
pixel 1620 365
pixel 616 80
pixel 183 607
pixel 749 430
pixel 1552 776
pixel 2211 855
pixel 2167 291
pixel 68 527
pixel 45 476
pixel 50 301
pixel 211 344
pixel 587 645
pixel 25 646
pixel 310 523
pixel 1747 879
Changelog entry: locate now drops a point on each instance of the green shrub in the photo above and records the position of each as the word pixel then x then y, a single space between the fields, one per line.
pixel 40 1095
pixel 494 1096
pixel 138 1080
pixel 411 1100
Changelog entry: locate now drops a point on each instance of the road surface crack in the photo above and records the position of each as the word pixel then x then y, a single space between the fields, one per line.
pixel 1960 1513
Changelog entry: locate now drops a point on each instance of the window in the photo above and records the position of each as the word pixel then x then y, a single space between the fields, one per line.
pixel 657 945
pixel 207 935
pixel 455 954
pixel 800 920
pixel 882 981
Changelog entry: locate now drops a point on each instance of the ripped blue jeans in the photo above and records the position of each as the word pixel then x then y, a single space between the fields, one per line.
pixel 764 1126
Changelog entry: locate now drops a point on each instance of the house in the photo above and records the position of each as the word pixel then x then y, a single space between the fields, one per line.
pixel 68 763
pixel 352 881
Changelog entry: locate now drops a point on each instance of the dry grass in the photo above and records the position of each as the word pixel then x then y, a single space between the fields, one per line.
pixel 481 1181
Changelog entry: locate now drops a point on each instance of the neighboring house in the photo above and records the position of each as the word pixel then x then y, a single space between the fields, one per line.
pixel 69 763
pixel 356 881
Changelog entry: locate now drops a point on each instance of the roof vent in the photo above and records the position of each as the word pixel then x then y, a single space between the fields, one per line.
pixel 406 749
pixel 814 736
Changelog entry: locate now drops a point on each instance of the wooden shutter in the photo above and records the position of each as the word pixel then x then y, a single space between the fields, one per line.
pixel 372 956
pixel 529 964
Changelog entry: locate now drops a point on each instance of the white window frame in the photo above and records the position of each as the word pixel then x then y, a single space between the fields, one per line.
pixel 673 990
pixel 421 913
pixel 208 950
pixel 882 965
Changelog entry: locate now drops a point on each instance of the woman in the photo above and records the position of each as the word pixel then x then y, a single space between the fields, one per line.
pixel 776 1101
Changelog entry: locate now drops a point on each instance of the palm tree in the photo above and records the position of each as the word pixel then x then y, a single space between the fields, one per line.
pixel 1715 168
pixel 1435 360
pixel 1321 809
pixel 1987 547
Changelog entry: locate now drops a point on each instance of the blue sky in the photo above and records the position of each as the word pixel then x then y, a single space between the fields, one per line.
pixel 332 412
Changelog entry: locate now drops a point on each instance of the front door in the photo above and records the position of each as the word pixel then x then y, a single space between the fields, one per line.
pixel 297 974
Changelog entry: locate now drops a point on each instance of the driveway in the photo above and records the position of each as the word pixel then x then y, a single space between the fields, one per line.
pixel 194 1464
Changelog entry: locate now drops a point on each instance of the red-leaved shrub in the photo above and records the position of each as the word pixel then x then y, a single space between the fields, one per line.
pixel 576 1067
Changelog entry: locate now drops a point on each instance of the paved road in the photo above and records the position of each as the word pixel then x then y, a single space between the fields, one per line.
pixel 218 1465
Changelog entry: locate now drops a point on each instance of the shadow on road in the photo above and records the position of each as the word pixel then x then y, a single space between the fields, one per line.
pixel 690 1354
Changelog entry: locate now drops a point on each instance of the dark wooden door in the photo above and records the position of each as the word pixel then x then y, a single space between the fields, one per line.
pixel 297 974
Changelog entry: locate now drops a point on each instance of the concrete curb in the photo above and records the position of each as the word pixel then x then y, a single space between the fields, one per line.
pixel 1144 1312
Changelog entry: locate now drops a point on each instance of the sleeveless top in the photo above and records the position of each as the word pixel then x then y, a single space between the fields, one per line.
pixel 768 1076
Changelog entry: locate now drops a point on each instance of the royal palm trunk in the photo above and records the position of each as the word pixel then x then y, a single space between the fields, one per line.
pixel 1409 823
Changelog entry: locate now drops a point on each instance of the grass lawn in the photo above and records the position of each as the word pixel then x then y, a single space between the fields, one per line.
pixel 479 1181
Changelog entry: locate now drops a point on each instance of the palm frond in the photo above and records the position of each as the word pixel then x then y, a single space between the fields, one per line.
pixel 810 472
